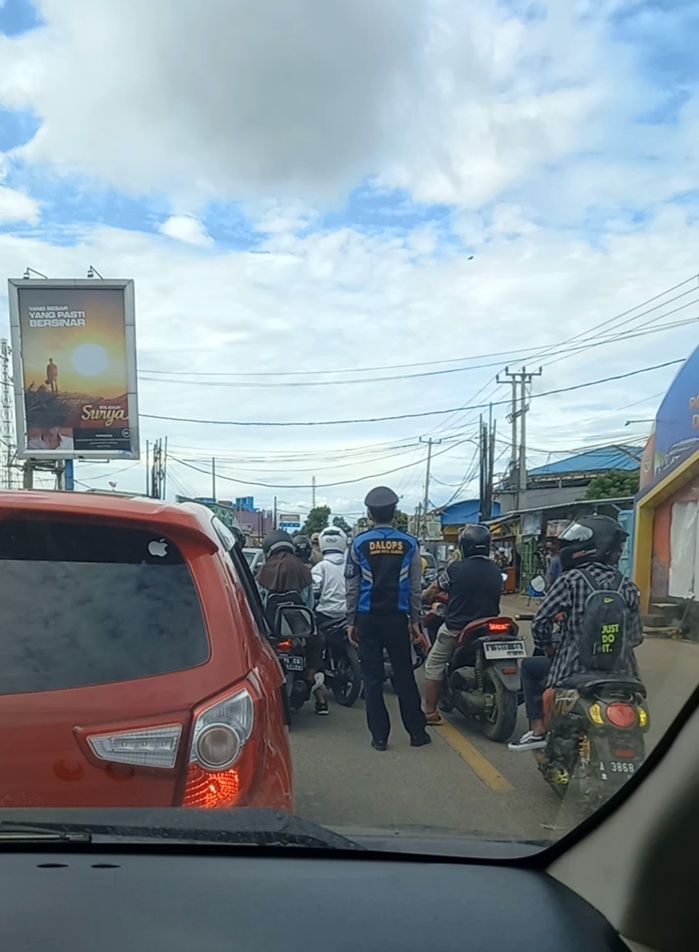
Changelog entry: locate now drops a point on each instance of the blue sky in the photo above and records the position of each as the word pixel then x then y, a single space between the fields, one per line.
pixel 360 186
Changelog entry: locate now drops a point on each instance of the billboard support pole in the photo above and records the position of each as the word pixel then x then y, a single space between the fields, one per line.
pixel 28 475
pixel 69 476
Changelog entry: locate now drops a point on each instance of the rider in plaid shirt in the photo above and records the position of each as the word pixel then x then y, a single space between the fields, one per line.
pixel 595 543
pixel 567 597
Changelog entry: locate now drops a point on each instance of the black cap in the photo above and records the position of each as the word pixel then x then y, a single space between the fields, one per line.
pixel 379 497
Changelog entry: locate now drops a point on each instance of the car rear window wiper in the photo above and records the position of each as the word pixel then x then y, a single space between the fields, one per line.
pixel 22 833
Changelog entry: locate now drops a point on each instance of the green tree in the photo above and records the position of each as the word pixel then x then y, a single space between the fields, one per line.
pixel 317 520
pixel 613 485
pixel 400 520
pixel 341 523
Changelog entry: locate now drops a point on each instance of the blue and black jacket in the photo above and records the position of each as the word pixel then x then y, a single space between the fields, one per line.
pixel 383 574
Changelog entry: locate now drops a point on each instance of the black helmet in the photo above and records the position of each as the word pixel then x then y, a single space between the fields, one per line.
pixel 277 541
pixel 302 547
pixel 474 540
pixel 591 539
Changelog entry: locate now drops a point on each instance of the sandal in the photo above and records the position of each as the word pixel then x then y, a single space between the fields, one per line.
pixel 434 718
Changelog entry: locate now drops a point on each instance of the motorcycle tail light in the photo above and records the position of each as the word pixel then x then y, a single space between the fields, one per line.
pixel 594 712
pixel 510 670
pixel 286 645
pixel 219 770
pixel 643 717
pixel 147 747
pixel 499 626
pixel 622 715
pixel 624 753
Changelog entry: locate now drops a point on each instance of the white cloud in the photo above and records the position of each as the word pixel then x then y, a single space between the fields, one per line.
pixel 16 205
pixel 188 229
pixel 453 101
pixel 345 299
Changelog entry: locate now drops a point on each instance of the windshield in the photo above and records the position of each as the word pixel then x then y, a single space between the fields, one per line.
pixel 396 268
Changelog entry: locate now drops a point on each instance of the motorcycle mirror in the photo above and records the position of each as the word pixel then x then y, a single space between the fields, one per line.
pixel 293 621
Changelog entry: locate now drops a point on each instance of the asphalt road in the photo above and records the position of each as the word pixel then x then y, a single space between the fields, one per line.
pixel 462 783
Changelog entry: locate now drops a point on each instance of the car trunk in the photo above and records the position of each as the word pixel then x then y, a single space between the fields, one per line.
pixel 104 636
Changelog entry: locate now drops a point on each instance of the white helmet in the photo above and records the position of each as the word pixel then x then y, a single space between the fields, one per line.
pixel 332 539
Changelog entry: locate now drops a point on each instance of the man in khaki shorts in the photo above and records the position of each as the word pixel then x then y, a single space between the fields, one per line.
pixel 474 585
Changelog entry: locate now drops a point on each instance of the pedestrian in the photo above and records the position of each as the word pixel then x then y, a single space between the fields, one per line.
pixel 383 575
pixel 554 567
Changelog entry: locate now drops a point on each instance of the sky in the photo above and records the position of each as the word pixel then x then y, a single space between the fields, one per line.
pixel 340 211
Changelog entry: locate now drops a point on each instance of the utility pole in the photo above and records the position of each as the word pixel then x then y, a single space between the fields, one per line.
pixel 512 417
pixel 274 514
pixel 213 478
pixel 519 380
pixel 426 501
pixel 147 467
pixel 313 493
pixel 6 428
pixel 526 379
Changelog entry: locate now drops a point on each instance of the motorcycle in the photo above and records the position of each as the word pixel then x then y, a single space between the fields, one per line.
pixel 596 724
pixel 343 672
pixel 482 680
pixel 293 627
pixel 418 654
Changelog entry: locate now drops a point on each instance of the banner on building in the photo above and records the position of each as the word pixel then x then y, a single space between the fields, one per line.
pixel 74 350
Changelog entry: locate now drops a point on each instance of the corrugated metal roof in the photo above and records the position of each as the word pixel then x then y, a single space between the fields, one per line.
pixel 617 456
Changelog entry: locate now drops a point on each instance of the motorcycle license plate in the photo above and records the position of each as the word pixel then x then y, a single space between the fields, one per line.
pixel 622 767
pixel 495 650
pixel 293 662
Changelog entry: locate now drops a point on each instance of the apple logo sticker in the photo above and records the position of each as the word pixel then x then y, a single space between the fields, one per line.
pixel 158 547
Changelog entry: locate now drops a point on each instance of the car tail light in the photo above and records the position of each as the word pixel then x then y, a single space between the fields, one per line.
pixel 499 626
pixel 622 715
pixel 216 776
pixel 147 747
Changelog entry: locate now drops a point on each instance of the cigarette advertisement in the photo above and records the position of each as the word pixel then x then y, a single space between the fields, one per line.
pixel 75 369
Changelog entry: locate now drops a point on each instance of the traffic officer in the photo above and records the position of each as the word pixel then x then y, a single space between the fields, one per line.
pixel 383 575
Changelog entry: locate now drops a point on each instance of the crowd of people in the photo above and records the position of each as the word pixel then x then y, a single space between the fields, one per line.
pixel 375 583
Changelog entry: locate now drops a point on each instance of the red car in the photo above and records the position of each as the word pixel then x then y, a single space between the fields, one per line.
pixel 135 669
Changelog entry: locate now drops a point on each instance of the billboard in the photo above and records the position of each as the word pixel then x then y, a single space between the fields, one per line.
pixel 675 435
pixel 74 349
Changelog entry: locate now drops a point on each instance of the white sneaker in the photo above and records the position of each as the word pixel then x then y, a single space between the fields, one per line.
pixel 528 741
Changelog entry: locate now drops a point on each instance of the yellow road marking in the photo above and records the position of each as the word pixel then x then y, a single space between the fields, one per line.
pixel 480 764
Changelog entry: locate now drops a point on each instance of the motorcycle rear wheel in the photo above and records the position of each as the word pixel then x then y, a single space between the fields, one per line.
pixel 347 679
pixel 500 724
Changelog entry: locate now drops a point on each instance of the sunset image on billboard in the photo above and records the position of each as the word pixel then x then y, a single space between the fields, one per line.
pixel 75 369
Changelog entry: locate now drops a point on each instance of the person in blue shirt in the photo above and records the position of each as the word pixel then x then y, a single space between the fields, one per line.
pixel 383 575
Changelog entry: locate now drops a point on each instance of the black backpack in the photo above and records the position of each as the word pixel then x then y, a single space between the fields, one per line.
pixel 603 627
pixel 277 600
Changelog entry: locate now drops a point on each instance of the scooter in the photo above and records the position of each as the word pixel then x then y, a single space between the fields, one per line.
pixel 482 680
pixel 343 672
pixel 596 724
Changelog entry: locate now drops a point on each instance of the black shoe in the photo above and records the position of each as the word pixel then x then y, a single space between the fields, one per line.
pixel 379 744
pixel 419 740
pixel 322 708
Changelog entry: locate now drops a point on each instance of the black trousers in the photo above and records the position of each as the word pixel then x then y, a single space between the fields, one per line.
pixel 376 632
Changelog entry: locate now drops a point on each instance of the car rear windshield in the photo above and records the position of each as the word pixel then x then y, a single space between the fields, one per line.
pixel 93 604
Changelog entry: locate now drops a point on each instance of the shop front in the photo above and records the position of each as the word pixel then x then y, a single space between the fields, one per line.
pixel 666 557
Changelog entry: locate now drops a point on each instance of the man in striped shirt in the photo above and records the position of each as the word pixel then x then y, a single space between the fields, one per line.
pixel 590 551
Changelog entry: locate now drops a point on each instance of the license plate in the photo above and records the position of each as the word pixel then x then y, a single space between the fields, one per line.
pixel 293 662
pixel 504 649
pixel 622 767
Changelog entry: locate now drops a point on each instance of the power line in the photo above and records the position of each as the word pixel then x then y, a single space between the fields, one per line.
pixel 547 351
pixel 406 416
pixel 426 363
pixel 343 482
